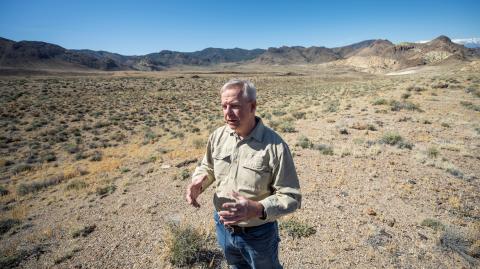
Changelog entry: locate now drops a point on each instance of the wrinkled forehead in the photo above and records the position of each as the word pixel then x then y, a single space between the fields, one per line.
pixel 231 95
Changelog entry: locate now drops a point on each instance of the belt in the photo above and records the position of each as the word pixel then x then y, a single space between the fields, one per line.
pixel 239 229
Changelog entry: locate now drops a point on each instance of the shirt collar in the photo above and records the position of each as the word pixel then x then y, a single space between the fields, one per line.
pixel 256 133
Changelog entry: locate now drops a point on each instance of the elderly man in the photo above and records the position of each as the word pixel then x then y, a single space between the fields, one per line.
pixel 255 181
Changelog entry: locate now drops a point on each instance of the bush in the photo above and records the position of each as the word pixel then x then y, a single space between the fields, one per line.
pixel 35 186
pixel 183 245
pixel 470 105
pixel 105 190
pixel 432 152
pixel 304 142
pixel 391 139
pixel 296 228
pixel 185 174
pixel 433 223
pixel 299 115
pixel 198 143
pixel 287 127
pixel 3 191
pixel 7 224
pixel 324 149
pixel 76 184
pixel 381 101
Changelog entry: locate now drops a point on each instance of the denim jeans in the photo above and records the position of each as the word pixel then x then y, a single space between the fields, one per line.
pixel 256 248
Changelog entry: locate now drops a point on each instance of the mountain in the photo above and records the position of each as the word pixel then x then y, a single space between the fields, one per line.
pixel 468 42
pixel 371 55
pixel 384 55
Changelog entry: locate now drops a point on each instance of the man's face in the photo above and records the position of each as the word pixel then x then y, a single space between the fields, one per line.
pixel 238 112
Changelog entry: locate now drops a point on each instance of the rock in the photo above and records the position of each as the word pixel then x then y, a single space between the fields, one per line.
pixel 371 211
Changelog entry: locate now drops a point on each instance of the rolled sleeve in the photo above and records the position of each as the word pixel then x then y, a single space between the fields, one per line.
pixel 286 197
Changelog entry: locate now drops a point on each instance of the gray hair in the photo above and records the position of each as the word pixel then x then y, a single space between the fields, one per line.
pixel 248 89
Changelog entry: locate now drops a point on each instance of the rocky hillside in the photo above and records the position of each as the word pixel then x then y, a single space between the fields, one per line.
pixel 377 55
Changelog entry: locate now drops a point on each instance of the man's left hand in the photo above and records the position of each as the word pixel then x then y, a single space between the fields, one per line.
pixel 242 209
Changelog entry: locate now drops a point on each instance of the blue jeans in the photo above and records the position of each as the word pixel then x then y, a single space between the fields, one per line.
pixel 256 248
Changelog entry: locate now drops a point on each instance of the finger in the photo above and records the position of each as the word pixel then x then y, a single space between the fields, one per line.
pixel 236 195
pixel 226 214
pixel 229 205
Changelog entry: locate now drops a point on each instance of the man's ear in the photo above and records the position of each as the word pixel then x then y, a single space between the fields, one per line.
pixel 254 106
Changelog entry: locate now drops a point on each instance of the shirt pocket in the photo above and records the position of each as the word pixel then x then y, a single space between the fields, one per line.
pixel 221 164
pixel 256 175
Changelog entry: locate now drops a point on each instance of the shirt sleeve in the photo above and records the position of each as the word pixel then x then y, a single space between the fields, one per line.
pixel 206 166
pixel 286 196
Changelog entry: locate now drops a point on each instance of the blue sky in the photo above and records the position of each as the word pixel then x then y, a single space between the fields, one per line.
pixel 140 27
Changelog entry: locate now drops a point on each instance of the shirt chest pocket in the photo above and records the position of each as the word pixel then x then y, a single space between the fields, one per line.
pixel 255 173
pixel 221 164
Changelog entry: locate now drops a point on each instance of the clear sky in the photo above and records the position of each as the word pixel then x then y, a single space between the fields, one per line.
pixel 141 27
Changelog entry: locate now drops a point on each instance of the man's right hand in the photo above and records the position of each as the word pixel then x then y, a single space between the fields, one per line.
pixel 194 189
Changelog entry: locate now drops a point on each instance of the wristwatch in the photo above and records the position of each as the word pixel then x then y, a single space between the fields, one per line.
pixel 264 214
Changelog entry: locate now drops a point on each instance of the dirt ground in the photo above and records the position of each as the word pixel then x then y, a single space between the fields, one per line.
pixel 94 168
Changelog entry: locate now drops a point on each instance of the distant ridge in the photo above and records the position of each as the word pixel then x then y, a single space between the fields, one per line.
pixel 375 54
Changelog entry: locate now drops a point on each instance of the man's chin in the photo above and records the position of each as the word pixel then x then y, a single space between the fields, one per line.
pixel 233 125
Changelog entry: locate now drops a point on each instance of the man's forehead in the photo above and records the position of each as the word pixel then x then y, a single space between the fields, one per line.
pixel 232 95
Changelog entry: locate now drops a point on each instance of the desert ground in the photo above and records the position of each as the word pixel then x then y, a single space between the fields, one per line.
pixel 94 167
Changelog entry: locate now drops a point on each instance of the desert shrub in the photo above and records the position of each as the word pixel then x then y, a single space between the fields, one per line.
pixel 298 115
pixel 446 125
pixel 332 106
pixel 432 152
pixel 397 106
pixel 84 231
pixel 124 170
pixel 35 186
pixel 278 113
pixel 72 148
pixel 405 96
pixel 3 191
pixel 391 139
pixel 185 174
pixel 455 172
pixel 76 184
pixel 274 124
pixel 470 105
pixel 21 167
pixel 381 101
pixel 96 156
pixel 433 223
pixel 324 149
pixel 49 157
pixel 183 245
pixel 287 127
pixel 7 224
pixel 105 190
pixel 304 142
pixel 198 143
pixel 297 228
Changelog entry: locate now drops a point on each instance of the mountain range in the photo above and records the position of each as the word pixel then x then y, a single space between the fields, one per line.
pixel 376 54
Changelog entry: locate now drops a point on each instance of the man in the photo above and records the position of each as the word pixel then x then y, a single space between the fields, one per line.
pixel 255 180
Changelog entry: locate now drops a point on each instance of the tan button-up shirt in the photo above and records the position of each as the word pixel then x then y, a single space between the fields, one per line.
pixel 259 167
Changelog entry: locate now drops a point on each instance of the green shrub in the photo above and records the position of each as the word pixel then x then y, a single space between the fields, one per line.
pixel 7 224
pixel 76 184
pixel 183 245
pixel 35 186
pixel 324 149
pixel 433 223
pixel 298 115
pixel 185 174
pixel 432 152
pixel 287 127
pixel 106 190
pixel 470 105
pixel 391 139
pixel 379 102
pixel 297 228
pixel 3 191
pixel 304 142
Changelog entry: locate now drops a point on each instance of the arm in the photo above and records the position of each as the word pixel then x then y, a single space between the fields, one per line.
pixel 202 178
pixel 286 197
